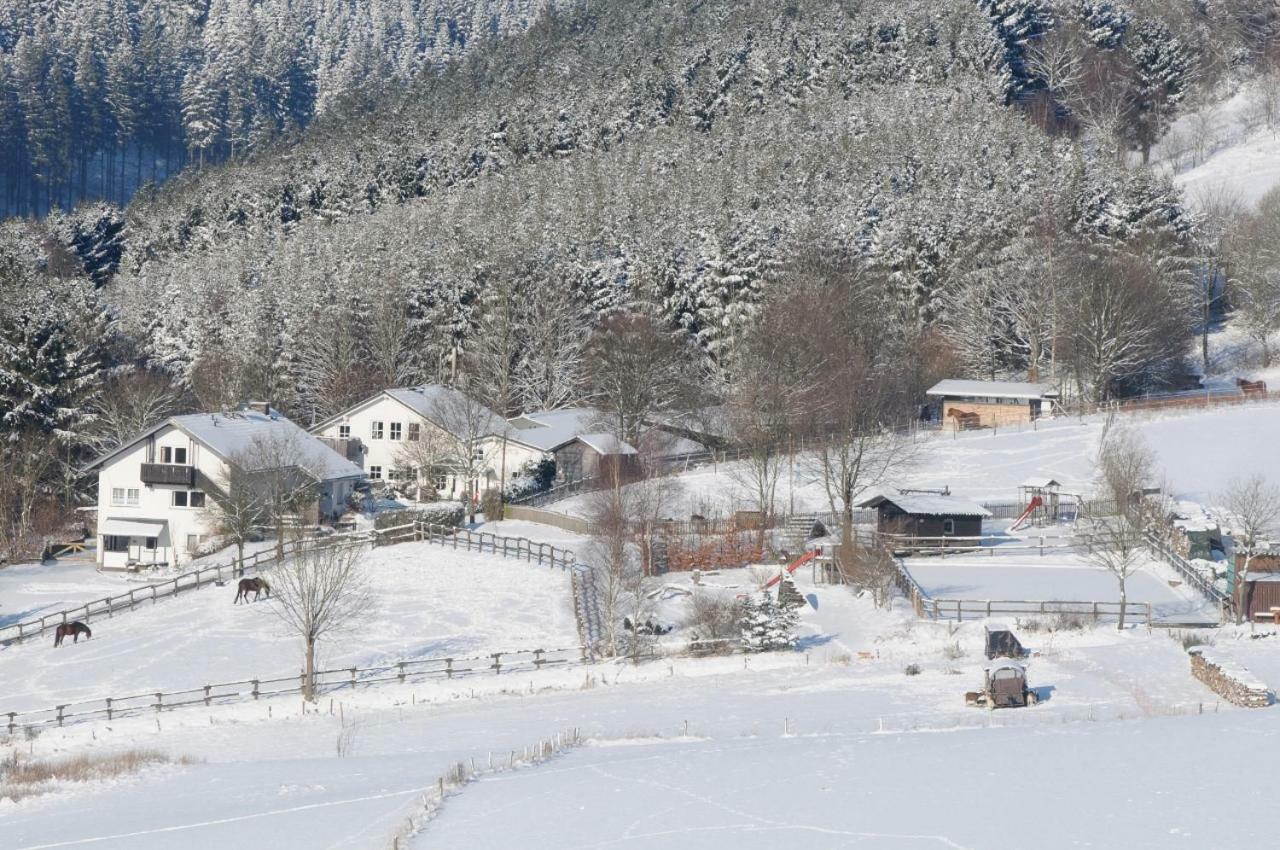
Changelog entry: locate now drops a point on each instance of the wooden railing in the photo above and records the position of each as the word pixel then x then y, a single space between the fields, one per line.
pixel 326 681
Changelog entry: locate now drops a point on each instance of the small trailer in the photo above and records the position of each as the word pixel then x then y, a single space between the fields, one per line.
pixel 1004 685
pixel 1002 643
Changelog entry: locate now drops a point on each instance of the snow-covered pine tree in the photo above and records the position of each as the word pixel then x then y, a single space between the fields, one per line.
pixel 766 625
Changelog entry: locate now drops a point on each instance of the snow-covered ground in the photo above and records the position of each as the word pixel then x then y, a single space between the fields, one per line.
pixel 1199 452
pixel 1158 784
pixel 1062 577
pixel 430 602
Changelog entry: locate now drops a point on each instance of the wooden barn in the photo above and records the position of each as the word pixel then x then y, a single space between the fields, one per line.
pixel 928 515
pixel 1261 586
pixel 987 404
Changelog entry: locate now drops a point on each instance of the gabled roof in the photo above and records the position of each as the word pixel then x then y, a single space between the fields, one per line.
pixel 605 444
pixel 444 406
pixel 1041 482
pixel 995 389
pixel 237 434
pixel 550 429
pixel 927 504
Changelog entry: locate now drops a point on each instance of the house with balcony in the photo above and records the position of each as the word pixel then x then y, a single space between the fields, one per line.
pixel 422 438
pixel 156 492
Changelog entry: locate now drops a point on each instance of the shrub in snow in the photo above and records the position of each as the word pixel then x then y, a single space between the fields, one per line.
pixel 767 626
pixel 712 623
pixel 531 478
pixel 912 670
pixel 448 514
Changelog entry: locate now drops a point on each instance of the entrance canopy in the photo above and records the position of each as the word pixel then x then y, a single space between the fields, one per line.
pixel 133 527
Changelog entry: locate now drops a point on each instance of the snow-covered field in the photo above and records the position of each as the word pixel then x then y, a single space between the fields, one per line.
pixel 1158 784
pixel 1199 452
pixel 431 602
pixel 1062 577
pixel 276 779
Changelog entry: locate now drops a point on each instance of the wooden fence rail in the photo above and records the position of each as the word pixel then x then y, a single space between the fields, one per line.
pixel 961 609
pixel 326 681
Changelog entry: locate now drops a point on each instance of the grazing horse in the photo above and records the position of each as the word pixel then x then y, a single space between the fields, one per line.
pixel 251 585
pixel 965 421
pixel 1252 387
pixel 74 630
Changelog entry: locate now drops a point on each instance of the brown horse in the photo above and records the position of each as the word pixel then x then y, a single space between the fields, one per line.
pixel 256 586
pixel 74 630
pixel 964 420
pixel 1252 387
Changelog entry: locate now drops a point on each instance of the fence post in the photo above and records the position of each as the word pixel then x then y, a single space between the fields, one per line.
pixel 159 702
pixel 255 688
pixel 448 668
pixel 537 659
pixel 401 666
pixel 353 678
pixel 207 698
pixel 497 662
pixel 12 715
pixel 60 708
pixel 108 700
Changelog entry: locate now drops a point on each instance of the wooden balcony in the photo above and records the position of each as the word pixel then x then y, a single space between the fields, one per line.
pixel 166 473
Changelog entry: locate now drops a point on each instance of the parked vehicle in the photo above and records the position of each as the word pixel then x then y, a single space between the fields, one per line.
pixel 1004 685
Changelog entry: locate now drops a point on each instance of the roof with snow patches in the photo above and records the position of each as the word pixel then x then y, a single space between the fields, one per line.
pixel 549 429
pixel 953 388
pixel 606 444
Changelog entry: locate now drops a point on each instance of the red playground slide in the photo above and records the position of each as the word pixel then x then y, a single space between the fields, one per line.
pixel 791 568
pixel 1036 502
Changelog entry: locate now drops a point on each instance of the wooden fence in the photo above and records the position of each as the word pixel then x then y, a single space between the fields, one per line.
pixel 961 609
pixel 987 544
pixel 326 681
pixel 110 605
pixel 565 522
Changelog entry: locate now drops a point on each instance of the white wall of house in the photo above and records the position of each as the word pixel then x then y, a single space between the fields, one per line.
pixel 123 496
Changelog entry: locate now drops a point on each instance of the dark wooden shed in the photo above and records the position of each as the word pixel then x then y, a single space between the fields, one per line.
pixel 1261 585
pixel 927 515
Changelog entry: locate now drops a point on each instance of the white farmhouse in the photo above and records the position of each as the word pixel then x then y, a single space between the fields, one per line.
pixel 430 436
pixel 154 491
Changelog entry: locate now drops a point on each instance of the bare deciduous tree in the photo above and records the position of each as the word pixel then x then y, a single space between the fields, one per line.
pixel 1116 540
pixel 275 465
pixel 453 442
pixel 319 592
pixel 130 404
pixel 1252 509
pixel 238 508
pixel 1255 273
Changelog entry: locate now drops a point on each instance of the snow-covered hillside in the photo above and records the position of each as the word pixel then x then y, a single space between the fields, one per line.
pixel 1199 452
pixel 1229 149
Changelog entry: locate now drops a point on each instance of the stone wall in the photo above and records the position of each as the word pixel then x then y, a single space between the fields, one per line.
pixel 1229 680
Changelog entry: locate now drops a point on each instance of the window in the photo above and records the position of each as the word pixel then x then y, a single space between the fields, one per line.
pixel 117 496
pixel 477 453
pixel 115 543
pixel 948 526
pixel 414 432
pixel 124 498
pixel 151 543
pixel 188 499
pixel 395 430
pixel 197 499
pixel 439 482
pixel 193 543
pixel 179 498
pixel 375 472
pixel 176 456
pixel 344 432
pixel 375 430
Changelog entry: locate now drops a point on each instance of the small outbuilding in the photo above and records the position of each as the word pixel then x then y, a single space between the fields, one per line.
pixel 930 515
pixel 597 455
pixel 986 404
pixel 1261 586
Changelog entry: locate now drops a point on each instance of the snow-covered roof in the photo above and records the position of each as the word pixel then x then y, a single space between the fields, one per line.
pixel 238 435
pixel 451 409
pixel 245 433
pixel 952 387
pixel 550 429
pixel 606 444
pixel 928 504
pixel 1041 483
